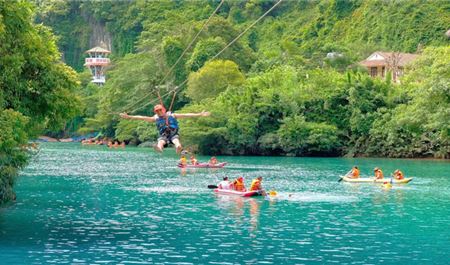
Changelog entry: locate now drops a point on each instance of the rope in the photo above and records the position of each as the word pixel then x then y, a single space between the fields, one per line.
pixel 160 99
pixel 173 99
pixel 215 56
pixel 184 52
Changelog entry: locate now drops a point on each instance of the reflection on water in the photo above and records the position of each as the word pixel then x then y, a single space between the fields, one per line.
pixel 238 207
pixel 90 205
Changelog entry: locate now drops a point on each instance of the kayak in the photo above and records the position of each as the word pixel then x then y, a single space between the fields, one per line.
pixel 204 165
pixel 239 193
pixel 373 180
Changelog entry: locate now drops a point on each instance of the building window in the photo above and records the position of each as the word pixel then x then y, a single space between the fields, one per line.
pixel 383 71
pixel 373 71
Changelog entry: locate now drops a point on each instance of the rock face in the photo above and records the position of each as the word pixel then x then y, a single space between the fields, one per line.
pixel 99 36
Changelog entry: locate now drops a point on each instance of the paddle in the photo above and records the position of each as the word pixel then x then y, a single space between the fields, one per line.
pixel 345 175
pixel 212 187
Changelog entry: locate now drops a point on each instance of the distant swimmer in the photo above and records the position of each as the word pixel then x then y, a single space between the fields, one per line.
pixel 386 185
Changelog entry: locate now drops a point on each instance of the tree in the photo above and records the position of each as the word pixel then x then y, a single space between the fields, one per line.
pixel 204 50
pixel 36 88
pixel 308 138
pixel 212 79
pixel 418 127
pixel 173 49
pixel 392 64
pixel 13 150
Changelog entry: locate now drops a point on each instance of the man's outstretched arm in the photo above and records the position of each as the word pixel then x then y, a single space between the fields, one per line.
pixel 137 117
pixel 191 115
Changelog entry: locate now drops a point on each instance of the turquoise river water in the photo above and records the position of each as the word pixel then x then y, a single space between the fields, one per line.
pixel 91 205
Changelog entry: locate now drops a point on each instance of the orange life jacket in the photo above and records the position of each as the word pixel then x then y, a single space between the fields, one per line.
pixel 239 185
pixel 399 175
pixel 256 185
pixel 355 173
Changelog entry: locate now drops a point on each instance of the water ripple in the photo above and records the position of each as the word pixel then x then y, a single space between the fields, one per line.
pixel 91 205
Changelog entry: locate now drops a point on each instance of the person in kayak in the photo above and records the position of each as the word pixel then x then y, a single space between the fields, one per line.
pixel 354 173
pixel 183 161
pixel 398 175
pixel 167 125
pixel 194 160
pixel 257 186
pixel 213 161
pixel 378 173
pixel 239 185
pixel 224 184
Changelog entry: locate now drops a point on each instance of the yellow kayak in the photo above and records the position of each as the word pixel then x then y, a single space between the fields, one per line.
pixel 373 180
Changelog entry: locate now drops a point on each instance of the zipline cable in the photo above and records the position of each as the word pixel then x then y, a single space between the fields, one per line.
pixel 192 42
pixel 249 27
pixel 183 53
pixel 215 56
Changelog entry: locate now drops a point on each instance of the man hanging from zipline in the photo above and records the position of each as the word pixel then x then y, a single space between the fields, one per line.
pixel 167 125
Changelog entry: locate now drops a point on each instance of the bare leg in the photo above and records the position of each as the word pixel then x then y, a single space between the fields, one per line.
pixel 177 144
pixel 160 146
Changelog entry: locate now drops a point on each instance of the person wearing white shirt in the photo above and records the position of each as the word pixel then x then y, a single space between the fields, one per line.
pixel 224 184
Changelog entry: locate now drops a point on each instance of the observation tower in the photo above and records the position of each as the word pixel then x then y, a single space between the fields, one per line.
pixel 97 62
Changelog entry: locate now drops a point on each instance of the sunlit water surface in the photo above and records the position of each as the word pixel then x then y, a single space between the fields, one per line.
pixel 91 205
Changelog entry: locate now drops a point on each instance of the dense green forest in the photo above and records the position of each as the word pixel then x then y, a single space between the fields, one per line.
pixel 36 88
pixel 274 91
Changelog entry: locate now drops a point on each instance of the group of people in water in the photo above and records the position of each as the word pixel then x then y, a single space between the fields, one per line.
pixel 109 143
pixel 378 173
